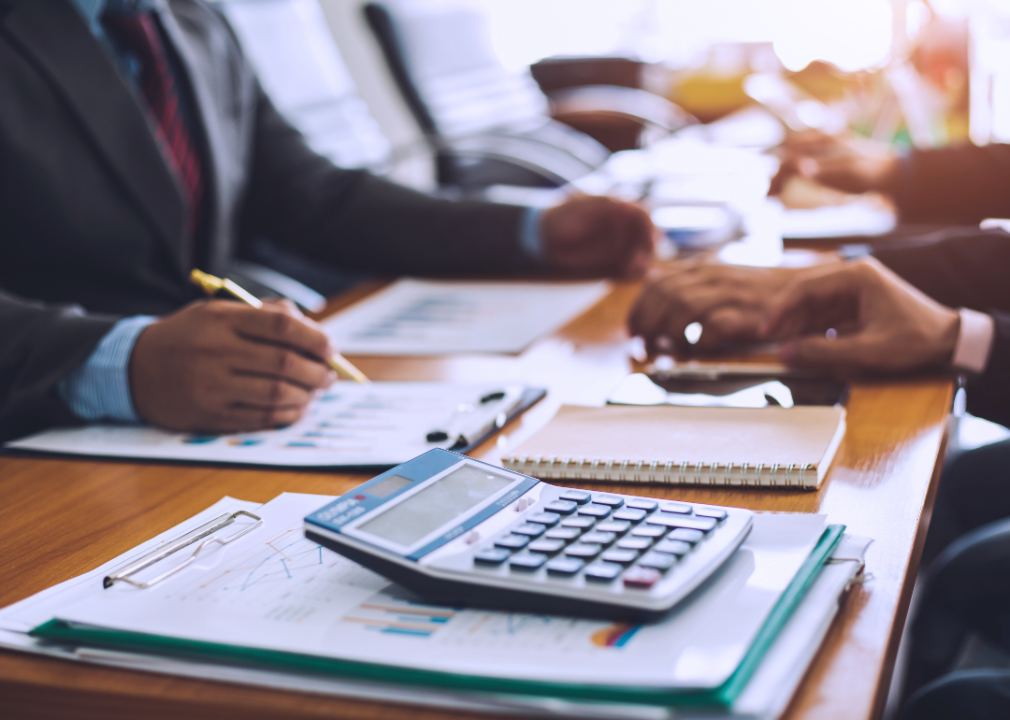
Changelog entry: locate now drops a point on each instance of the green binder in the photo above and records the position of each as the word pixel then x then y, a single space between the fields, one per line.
pixel 722 696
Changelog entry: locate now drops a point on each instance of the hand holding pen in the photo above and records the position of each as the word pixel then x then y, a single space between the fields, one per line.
pixel 223 366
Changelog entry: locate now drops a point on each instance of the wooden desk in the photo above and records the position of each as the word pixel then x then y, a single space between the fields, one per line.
pixel 59 518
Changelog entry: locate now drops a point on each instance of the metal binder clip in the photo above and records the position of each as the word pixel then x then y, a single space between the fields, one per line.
pixel 178 544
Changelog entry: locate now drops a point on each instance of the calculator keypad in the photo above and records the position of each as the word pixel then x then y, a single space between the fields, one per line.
pixel 564 566
pixel 561 507
pixel 604 537
pixel 594 510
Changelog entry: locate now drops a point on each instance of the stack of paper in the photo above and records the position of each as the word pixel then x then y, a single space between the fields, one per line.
pixel 274 609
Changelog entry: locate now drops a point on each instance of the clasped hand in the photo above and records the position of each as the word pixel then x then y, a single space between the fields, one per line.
pixel 846 317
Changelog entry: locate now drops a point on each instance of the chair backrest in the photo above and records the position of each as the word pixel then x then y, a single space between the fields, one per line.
pixel 441 54
pixel 302 70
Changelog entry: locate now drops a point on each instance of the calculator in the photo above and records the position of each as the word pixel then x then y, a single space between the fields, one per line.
pixel 458 531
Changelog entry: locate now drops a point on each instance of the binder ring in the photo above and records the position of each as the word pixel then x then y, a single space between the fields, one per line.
pixel 743 473
pixel 622 472
pixel 774 473
pixel 697 472
pixel 803 471
pixel 194 536
pixel 652 470
pixel 713 469
pixel 758 470
pixel 608 468
pixel 727 476
pixel 682 477
pixel 593 467
pixel 789 473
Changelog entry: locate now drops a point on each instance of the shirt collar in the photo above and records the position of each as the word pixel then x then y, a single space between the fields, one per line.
pixel 92 10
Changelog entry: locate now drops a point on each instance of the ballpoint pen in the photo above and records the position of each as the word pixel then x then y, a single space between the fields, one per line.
pixel 212 284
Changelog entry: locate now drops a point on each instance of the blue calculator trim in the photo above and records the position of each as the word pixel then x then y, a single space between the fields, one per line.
pixel 359 501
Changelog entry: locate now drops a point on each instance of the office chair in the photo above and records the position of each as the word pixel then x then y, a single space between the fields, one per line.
pixel 486 125
pixel 301 69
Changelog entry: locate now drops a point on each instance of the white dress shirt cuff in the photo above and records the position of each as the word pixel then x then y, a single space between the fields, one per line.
pixel 974 340
pixel 100 388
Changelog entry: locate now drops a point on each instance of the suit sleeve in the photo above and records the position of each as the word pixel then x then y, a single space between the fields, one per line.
pixel 958 268
pixel 360 222
pixel 959 185
pixel 41 345
pixel 989 393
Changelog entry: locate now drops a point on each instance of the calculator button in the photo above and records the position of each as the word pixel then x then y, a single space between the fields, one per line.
pixel 564 566
pixel 656 560
pixel 673 546
pixel 603 571
pixel 583 550
pixel 641 504
pixel 530 529
pixel 548 546
pixel 596 511
pixel 576 496
pixel 614 526
pixel 717 513
pixel 527 561
pixel 491 556
pixel 685 535
pixel 580 522
pixel 561 507
pixel 692 523
pixel 641 577
pixel 599 538
pixel 649 531
pixel 630 514
pixel 614 501
pixel 675 507
pixel 512 542
pixel 623 557
pixel 544 518
pixel 635 543
pixel 563 533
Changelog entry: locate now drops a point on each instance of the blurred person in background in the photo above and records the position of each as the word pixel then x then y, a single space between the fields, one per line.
pixel 942 303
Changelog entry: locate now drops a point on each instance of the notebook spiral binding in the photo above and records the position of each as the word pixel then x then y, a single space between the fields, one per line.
pixel 683 473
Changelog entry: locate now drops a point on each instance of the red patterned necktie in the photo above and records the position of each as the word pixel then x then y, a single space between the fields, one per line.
pixel 137 34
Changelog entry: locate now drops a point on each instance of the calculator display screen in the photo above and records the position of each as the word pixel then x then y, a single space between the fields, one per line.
pixel 444 500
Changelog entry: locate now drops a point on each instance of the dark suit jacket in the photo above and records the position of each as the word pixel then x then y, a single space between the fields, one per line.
pixel 92 221
pixel 963 267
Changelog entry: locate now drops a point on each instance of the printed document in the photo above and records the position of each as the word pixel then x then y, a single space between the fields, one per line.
pixel 428 317
pixel 378 424
pixel 273 589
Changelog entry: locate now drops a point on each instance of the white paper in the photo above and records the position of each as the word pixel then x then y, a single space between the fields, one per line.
pixel 381 424
pixel 765 696
pixel 276 590
pixel 41 607
pixel 427 317
pixel 857 218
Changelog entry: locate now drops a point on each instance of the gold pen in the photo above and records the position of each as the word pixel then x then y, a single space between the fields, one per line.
pixel 212 284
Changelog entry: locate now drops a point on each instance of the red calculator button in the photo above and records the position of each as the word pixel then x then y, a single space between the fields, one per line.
pixel 641 577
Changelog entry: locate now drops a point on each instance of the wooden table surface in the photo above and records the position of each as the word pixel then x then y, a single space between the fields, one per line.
pixel 59 518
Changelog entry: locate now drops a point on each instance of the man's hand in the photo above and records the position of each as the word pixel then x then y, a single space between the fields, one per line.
pixel 591 235
pixel 728 301
pixel 221 366
pixel 860 316
pixel 852 166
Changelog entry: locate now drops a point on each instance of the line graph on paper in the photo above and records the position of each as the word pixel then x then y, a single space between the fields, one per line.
pixel 285 578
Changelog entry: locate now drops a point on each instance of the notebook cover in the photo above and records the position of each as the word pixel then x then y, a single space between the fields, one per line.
pixel 689 445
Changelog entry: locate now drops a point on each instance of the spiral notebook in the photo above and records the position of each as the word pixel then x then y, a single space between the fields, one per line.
pixel 785 447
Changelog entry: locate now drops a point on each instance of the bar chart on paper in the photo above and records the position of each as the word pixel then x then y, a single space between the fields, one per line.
pixel 422 317
pixel 376 425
